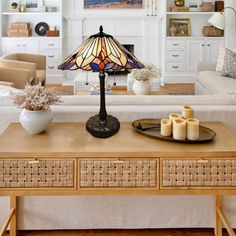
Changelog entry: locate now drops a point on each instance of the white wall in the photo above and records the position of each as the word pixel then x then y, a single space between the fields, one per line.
pixel 230 25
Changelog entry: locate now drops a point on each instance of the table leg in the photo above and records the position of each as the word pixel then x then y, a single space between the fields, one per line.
pixel 218 222
pixel 13 225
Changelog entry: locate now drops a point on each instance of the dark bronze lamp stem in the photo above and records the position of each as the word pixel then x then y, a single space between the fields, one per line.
pixel 102 112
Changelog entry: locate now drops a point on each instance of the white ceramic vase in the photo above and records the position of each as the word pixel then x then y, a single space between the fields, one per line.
pixel 141 87
pixel 35 122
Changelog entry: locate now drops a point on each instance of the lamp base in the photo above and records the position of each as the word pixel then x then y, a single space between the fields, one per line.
pixel 101 129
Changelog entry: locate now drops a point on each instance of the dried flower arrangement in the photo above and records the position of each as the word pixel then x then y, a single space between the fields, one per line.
pixel 36 98
pixel 146 73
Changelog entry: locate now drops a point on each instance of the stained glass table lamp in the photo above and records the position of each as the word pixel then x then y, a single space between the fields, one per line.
pixel 101 53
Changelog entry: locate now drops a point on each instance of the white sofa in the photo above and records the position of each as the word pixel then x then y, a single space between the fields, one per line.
pixel 209 82
pixel 84 212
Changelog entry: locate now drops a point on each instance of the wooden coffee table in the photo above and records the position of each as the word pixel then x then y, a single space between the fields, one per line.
pixel 66 160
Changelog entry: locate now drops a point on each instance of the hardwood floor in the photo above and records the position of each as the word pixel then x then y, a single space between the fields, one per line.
pixel 141 232
pixel 167 89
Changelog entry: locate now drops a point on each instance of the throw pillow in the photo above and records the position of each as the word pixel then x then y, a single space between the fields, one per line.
pixel 221 58
pixel 228 67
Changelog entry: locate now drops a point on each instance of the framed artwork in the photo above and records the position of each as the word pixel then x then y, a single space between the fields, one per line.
pixel 182 26
pixel 193 5
pixel 112 4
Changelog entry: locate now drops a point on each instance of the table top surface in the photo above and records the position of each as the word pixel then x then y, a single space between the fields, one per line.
pixel 72 140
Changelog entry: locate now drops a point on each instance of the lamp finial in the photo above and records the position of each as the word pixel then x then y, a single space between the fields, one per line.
pixel 101 29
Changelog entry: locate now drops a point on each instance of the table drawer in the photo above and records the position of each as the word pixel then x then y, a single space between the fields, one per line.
pixel 175 67
pixel 198 173
pixel 175 56
pixel 52 56
pixel 175 44
pixel 52 67
pixel 113 173
pixel 37 174
pixel 50 45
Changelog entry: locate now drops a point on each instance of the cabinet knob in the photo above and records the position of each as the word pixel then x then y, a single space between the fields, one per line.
pixel 208 45
pixel 175 44
pixel 50 67
pixel 51 56
pixel 23 45
pixel 175 55
pixel 51 44
pixel 18 45
pixel 203 45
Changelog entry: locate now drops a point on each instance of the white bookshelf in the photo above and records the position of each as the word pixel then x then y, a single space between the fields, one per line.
pixel 49 46
pixel 182 53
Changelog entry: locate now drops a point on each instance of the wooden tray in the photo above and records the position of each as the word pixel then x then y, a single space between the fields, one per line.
pixel 144 127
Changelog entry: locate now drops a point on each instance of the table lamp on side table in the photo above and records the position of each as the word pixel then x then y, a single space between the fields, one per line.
pixel 101 53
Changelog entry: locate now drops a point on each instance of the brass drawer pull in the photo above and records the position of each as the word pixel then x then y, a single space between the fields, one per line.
pixel 203 161
pixel 34 162
pixel 118 162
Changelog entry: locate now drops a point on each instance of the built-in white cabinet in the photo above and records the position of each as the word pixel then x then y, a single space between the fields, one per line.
pixel 51 47
pixel 202 50
pixel 182 53
pixel 20 46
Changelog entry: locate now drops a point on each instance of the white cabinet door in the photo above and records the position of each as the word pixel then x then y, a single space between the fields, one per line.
pixel 20 46
pixel 212 49
pixel 195 53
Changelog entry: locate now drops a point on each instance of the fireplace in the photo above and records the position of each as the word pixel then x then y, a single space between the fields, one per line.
pixel 130 48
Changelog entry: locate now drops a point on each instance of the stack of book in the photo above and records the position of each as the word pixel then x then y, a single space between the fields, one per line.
pixel 20 29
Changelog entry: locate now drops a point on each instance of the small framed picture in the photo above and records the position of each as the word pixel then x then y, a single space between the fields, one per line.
pixel 182 25
pixel 194 5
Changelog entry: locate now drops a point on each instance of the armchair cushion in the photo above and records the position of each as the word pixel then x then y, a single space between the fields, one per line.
pixel 19 77
pixel 30 62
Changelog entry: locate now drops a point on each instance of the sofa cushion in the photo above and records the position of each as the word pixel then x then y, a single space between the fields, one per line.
pixel 215 83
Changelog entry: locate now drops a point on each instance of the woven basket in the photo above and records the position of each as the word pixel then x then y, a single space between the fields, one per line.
pixel 207 6
pixel 211 31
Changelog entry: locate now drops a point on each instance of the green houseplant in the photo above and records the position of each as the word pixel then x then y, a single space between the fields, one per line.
pixel 14 5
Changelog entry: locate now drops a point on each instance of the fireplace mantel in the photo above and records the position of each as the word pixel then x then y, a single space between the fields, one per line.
pixel 141 31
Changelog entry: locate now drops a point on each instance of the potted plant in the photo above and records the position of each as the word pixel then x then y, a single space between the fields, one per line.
pixel 142 78
pixel 14 5
pixel 35 101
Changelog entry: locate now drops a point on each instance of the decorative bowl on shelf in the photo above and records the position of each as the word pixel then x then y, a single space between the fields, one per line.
pixel 179 3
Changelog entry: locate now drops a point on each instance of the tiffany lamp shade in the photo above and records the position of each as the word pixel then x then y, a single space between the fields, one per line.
pixel 101 53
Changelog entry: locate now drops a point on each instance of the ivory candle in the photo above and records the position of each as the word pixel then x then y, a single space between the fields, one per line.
pixel 187 112
pixel 166 129
pixel 172 117
pixel 192 129
pixel 179 129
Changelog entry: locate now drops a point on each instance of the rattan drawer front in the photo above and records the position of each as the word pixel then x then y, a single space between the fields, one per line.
pixel 110 173
pixel 195 173
pixel 36 174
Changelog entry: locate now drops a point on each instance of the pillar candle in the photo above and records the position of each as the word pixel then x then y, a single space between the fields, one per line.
pixel 187 112
pixel 179 129
pixel 192 129
pixel 172 117
pixel 166 129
